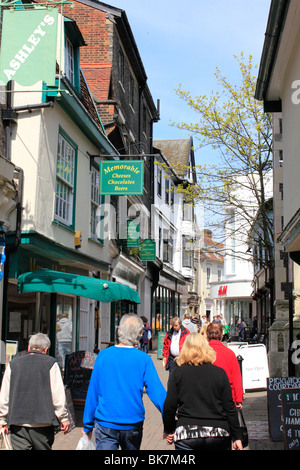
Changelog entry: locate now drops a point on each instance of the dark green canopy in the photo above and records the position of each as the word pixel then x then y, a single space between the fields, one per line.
pixel 45 280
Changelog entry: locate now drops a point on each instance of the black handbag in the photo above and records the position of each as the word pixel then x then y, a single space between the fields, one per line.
pixel 243 428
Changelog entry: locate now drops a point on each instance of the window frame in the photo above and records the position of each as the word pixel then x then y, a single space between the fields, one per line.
pixel 70 185
pixel 70 60
pixel 187 254
pixel 96 206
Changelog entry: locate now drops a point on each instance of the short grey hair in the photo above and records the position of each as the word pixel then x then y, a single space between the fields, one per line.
pixel 39 341
pixel 130 329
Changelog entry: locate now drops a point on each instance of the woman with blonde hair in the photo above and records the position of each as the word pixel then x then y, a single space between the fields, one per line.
pixel 199 394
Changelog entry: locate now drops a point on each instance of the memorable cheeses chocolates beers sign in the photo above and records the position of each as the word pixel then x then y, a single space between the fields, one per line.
pixel 121 177
pixel 28 46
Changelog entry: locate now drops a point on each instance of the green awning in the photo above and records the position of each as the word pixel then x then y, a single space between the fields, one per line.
pixel 45 280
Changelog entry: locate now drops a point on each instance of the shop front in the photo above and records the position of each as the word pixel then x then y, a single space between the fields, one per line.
pixel 63 306
pixel 234 301
pixel 167 303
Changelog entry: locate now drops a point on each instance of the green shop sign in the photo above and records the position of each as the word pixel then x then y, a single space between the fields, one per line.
pixel 121 177
pixel 133 235
pixel 148 250
pixel 28 46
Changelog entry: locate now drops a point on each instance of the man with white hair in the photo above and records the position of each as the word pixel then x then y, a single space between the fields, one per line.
pixel 32 398
pixel 114 402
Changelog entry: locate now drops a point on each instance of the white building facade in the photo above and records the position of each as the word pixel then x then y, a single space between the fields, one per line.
pixel 173 230
pixel 54 133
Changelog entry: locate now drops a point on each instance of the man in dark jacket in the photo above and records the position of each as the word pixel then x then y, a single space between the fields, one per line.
pixel 32 398
pixel 173 343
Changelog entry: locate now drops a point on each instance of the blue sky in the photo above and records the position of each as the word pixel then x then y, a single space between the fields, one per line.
pixel 184 42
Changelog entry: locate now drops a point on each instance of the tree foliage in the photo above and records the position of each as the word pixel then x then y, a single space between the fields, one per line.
pixel 235 125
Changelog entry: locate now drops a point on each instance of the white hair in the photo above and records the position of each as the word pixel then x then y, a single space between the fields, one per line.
pixel 39 341
pixel 130 329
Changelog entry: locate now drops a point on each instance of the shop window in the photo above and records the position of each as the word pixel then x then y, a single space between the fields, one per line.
pixel 22 319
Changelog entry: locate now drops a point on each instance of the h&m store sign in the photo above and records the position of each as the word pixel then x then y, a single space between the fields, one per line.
pixel 222 291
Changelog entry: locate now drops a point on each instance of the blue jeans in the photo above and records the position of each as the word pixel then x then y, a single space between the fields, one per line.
pixel 111 439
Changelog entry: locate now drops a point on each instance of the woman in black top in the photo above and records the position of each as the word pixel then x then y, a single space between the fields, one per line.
pixel 199 394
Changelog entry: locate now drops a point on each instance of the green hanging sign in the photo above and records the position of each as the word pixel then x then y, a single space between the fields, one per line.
pixel 121 177
pixel 133 235
pixel 28 46
pixel 148 250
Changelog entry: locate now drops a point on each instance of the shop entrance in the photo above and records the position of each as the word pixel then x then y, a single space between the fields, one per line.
pixel 118 309
pixel 30 313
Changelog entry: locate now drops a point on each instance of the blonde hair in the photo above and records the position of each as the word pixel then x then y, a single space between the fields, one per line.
pixel 195 351
pixel 203 329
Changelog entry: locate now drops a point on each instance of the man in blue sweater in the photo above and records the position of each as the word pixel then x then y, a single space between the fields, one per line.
pixel 114 403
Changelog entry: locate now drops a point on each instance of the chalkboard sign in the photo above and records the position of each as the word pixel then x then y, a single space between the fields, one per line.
pixel 160 344
pixel 79 366
pixel 274 387
pixel 290 399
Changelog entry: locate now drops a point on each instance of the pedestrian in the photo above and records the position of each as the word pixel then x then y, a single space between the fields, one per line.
pixel 32 398
pixel 64 337
pixel 199 413
pixel 173 343
pixel 146 335
pixel 196 321
pixel 241 328
pixel 254 329
pixel 187 323
pixel 226 359
pixel 114 403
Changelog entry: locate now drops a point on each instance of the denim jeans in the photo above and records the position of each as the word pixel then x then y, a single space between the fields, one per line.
pixel 111 439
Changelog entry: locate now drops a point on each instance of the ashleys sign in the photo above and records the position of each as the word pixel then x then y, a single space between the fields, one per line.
pixel 121 177
pixel 28 46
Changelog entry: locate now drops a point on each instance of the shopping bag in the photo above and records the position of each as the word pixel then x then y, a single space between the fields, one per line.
pixel 85 443
pixel 5 443
pixel 243 428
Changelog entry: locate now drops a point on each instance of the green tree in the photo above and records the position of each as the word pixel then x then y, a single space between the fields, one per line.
pixel 234 124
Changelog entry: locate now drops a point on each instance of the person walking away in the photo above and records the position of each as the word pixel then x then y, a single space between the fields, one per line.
pixel 114 403
pixel 146 335
pixel 196 321
pixel 226 359
pixel 64 337
pixel 32 398
pixel 199 413
pixel 241 328
pixel 173 343
pixel 188 324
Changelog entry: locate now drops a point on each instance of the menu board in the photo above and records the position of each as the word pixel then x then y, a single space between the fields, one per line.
pixel 290 401
pixel 274 387
pixel 79 366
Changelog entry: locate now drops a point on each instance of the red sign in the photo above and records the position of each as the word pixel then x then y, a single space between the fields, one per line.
pixel 222 290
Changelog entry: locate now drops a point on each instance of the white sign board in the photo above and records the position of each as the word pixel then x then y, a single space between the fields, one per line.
pixel 255 367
